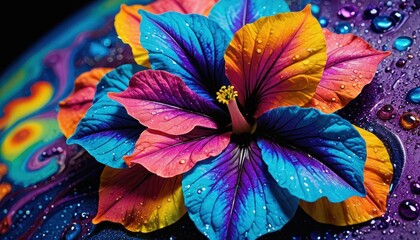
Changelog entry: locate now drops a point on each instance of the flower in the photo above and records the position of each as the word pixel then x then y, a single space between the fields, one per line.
pixel 237 111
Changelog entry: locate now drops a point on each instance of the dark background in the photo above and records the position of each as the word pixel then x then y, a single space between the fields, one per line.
pixel 22 24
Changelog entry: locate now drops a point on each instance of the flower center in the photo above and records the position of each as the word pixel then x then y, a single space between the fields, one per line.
pixel 227 95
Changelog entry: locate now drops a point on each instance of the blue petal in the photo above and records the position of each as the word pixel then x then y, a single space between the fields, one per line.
pixel 190 46
pixel 313 154
pixel 234 14
pixel 233 196
pixel 107 132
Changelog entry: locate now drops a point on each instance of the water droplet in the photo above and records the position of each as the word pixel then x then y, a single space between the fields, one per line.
pixel 402 43
pixel 348 11
pixel 401 62
pixel 182 161
pixel 315 9
pixel 259 40
pixel 323 21
pixel 370 13
pixel 382 24
pixel 342 28
pixel 409 121
pixel 385 112
pixel 259 50
pixel 333 99
pixel 396 16
pixel 415 187
pixel 409 209
pixel 72 232
pixel 306 62
pixel 342 86
pixel 199 191
pixel 413 95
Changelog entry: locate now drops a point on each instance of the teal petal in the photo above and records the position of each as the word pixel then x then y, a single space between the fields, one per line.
pixel 233 196
pixel 234 14
pixel 107 132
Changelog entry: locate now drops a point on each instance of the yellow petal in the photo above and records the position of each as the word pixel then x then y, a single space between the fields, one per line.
pixel 378 174
pixel 277 61
pixel 139 200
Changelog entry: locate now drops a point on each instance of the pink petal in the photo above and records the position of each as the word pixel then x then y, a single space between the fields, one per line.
pixel 161 101
pixel 351 64
pixel 168 156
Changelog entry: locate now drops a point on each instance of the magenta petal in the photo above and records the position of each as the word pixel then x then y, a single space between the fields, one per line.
pixel 168 155
pixel 161 101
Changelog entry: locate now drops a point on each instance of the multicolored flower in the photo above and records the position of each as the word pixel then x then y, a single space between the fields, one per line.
pixel 234 123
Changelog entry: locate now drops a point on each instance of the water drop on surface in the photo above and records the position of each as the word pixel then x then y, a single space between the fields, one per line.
pixel 409 121
pixel 370 13
pixel 409 209
pixel 402 43
pixel 382 24
pixel 72 232
pixel 323 21
pixel 342 28
pixel 401 62
pixel 415 187
pixel 348 12
pixel 385 112
pixel 413 96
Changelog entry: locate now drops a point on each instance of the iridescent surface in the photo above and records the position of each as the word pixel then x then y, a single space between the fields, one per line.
pixel 53 185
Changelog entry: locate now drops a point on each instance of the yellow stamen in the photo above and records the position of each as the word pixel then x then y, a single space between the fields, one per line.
pixel 228 96
pixel 225 94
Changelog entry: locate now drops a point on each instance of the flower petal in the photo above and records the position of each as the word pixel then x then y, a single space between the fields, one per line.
pixel 313 154
pixel 127 21
pixel 189 46
pixel 276 61
pixel 233 196
pixel 139 200
pixel 234 14
pixel 351 64
pixel 161 101
pixel 168 155
pixel 378 176
pixel 127 26
pixel 107 132
pixel 74 107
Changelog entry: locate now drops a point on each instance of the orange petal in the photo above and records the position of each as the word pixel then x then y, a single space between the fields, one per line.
pixel 75 106
pixel 351 64
pixel 277 61
pixel 378 174
pixel 139 200
pixel 127 21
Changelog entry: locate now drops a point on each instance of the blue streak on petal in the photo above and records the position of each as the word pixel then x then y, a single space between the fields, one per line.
pixel 313 154
pixel 190 46
pixel 107 132
pixel 234 14
pixel 233 196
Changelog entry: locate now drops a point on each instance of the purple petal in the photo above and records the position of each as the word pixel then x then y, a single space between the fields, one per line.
pixel 189 46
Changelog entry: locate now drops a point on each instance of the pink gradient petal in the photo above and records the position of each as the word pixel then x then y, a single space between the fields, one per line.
pixel 351 64
pixel 168 156
pixel 161 101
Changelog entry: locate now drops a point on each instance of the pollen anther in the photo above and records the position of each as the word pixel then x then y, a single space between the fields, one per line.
pixel 225 94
